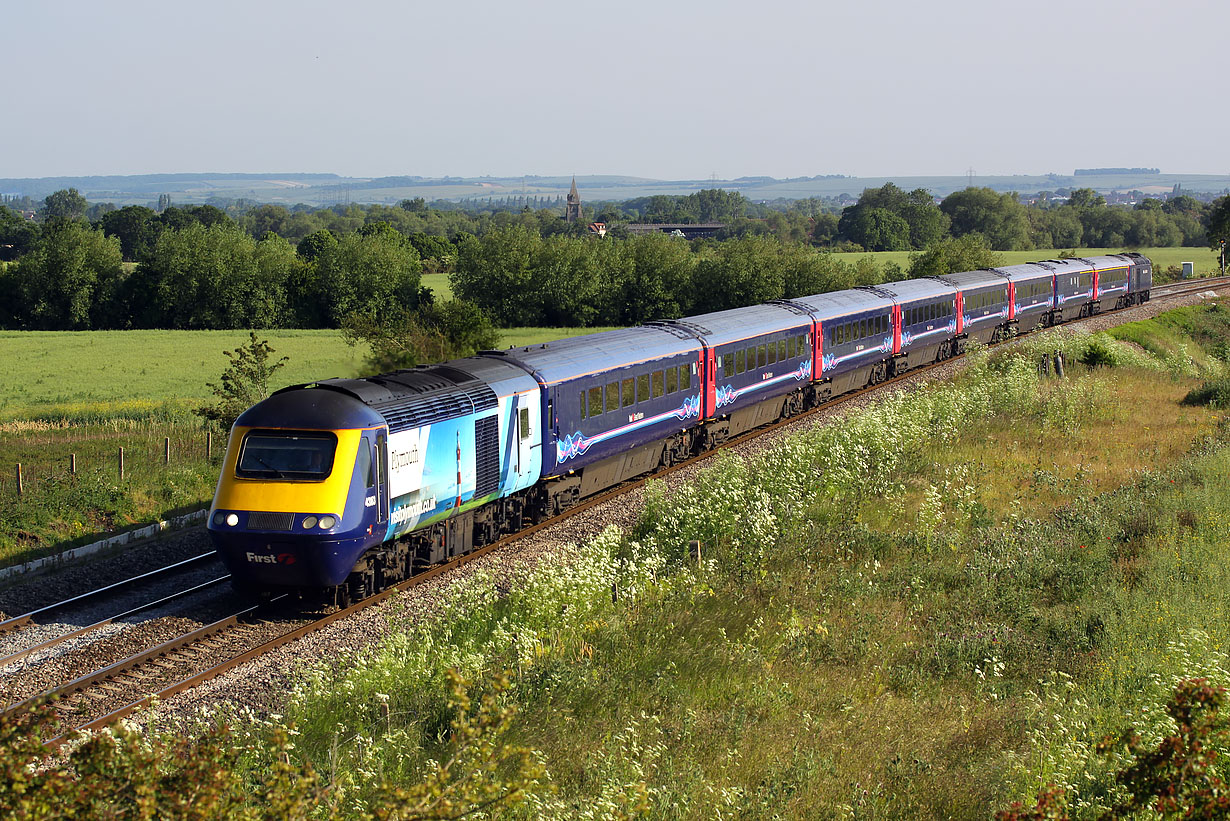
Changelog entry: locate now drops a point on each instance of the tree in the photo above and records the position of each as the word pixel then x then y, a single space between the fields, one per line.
pixel 741 272
pixel 66 204
pixel 17 234
pixel 965 253
pixel 136 228
pixel 66 281
pixel 1217 223
pixel 877 229
pixel 316 243
pixel 866 224
pixel 998 217
pixel 374 273
pixel 243 383
pixel 496 272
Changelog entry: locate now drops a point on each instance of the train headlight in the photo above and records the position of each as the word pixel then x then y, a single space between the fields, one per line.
pixel 309 522
pixel 327 522
pixel 232 519
pixel 219 518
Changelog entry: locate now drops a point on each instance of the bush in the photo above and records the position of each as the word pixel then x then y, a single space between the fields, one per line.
pixel 1214 392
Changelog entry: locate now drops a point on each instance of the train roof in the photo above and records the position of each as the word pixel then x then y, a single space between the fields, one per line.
pixel 1109 261
pixel 915 290
pixel 1066 266
pixel 304 407
pixel 577 356
pixel 722 327
pixel 972 280
pixel 1025 271
pixel 836 304
pixel 402 399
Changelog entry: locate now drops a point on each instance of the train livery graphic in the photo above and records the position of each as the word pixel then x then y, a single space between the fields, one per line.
pixel 344 486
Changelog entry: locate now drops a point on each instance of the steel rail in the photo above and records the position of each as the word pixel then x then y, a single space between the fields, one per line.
pixel 27 619
pixel 81 631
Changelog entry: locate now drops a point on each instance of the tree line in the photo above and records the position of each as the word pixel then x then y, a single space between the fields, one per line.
pixel 198 267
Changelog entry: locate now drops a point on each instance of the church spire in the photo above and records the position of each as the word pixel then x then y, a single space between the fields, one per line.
pixel 572 213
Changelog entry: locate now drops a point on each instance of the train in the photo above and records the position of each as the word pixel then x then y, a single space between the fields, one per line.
pixel 343 487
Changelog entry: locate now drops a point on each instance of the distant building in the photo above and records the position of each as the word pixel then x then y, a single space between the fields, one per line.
pixel 572 211
pixel 598 228
pixel 688 230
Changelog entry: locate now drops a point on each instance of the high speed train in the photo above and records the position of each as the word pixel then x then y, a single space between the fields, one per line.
pixel 349 485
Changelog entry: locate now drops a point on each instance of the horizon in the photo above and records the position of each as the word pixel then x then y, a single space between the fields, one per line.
pixel 688 90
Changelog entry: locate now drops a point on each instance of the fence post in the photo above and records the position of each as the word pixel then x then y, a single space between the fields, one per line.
pixel 121 463
pixel 166 450
pixel 209 445
pixel 695 546
pixel 20 487
pixel 72 463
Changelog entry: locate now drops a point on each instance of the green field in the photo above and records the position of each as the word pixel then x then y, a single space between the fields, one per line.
pixel 131 374
pixel 1204 258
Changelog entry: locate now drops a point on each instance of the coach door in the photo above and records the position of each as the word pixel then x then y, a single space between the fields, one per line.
pixel 382 477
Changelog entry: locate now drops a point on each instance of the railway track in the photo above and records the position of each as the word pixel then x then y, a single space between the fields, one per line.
pixel 202 652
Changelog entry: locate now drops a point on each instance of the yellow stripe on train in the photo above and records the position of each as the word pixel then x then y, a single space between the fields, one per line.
pixel 329 496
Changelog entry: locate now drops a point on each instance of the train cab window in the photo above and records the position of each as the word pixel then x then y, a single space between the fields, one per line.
pixel 363 464
pixel 595 401
pixel 781 350
pixel 628 392
pixel 612 397
pixel 672 380
pixel 286 455
pixel 685 377
pixel 740 361
pixel 656 378
pixel 642 388
pixel 728 366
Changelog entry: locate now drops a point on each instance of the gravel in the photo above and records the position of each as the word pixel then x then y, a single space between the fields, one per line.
pixel 262 684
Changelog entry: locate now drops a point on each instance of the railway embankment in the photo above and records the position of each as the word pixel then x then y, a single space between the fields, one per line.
pixel 933 608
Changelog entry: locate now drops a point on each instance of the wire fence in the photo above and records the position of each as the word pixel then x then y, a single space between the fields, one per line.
pixel 137 460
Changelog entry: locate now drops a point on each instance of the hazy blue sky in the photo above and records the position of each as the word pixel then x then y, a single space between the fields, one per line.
pixel 660 89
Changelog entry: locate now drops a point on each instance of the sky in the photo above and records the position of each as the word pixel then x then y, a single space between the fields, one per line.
pixel 672 89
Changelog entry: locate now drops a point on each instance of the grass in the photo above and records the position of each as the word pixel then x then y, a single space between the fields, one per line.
pixel 882 627
pixel 100 375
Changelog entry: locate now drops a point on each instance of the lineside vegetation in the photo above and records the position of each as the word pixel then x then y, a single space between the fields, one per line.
pixel 944 605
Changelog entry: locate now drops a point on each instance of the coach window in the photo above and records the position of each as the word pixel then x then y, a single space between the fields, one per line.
pixel 781 350
pixel 642 387
pixel 672 380
pixel 685 377
pixel 728 365
pixel 740 361
pixel 628 392
pixel 657 384
pixel 612 397
pixel 595 401
pixel 772 354
pixel 792 346
pixel 761 356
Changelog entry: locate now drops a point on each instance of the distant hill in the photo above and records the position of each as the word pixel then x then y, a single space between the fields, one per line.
pixel 327 189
